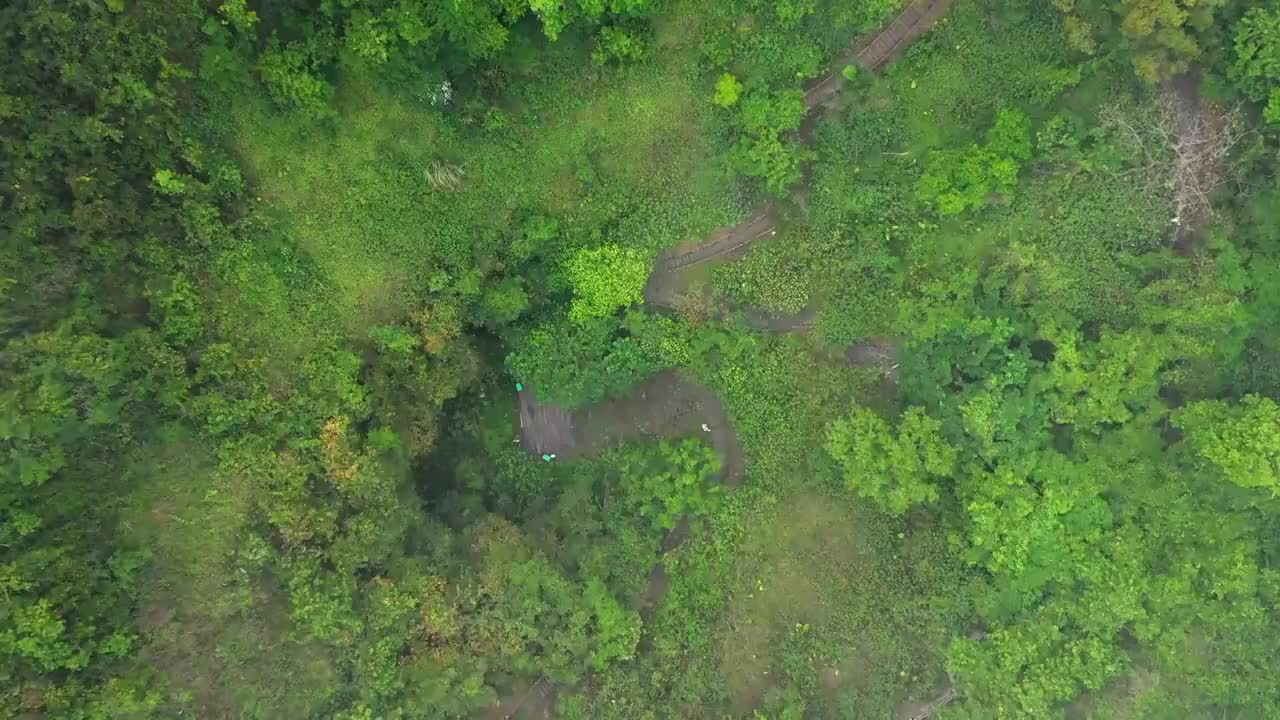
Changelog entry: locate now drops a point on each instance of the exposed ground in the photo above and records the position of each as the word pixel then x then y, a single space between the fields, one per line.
pixel 717 245
pixel 545 428
pixel 534 702
pixel 664 406
pixel 925 710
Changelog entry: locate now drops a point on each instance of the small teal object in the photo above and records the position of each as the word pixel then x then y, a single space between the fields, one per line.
pixel 519 387
pixel 546 457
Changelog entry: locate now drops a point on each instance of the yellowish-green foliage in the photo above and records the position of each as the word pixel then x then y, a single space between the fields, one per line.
pixel 268 273
pixel 1164 29
pixel 1241 442
pixel 1161 35
pixel 1257 58
pixel 604 279
pixel 728 90
pixel 955 181
pixel 894 469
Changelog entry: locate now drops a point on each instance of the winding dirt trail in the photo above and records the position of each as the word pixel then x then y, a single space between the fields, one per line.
pixel 873 52
pixel 718 244
pixel 667 405
pixel 670 279
pixel 670 405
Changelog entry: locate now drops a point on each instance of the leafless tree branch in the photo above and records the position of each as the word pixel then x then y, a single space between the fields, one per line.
pixel 1182 150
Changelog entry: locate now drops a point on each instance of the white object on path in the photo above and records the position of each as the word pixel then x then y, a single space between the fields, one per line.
pixel 705 428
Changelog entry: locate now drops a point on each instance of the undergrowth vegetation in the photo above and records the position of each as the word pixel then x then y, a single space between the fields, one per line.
pixel 278 282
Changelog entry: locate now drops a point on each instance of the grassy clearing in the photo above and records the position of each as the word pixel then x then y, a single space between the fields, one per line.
pixel 772 276
pixel 951 83
pixel 622 158
pixel 827 603
pixel 216 626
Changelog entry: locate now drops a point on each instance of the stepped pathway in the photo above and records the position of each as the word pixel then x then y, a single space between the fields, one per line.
pixel 876 51
pixel 670 405
pixel 669 280
pixel 667 405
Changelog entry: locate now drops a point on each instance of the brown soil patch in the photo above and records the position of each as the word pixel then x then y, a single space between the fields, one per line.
pixel 782 322
pixel 718 244
pixel 665 406
pixel 925 710
pixel 675 269
pixel 544 427
pixel 655 588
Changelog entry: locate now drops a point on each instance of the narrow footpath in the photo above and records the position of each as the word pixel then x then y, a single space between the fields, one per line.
pixel 670 405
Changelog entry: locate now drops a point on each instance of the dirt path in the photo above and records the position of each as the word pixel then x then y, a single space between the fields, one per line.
pixel 876 51
pixel 766 321
pixel 926 710
pixel 534 703
pixel 757 319
pixel 544 427
pixel 718 244
pixel 882 353
pixel 666 406
pixel 669 280
pixel 671 406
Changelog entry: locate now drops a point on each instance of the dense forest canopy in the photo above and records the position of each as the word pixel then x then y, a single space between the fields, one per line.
pixel 640 359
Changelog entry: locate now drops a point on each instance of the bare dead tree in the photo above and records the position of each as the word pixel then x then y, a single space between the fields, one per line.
pixel 1201 137
pixel 1181 151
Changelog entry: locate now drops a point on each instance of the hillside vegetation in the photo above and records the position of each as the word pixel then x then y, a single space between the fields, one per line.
pixel 941 385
